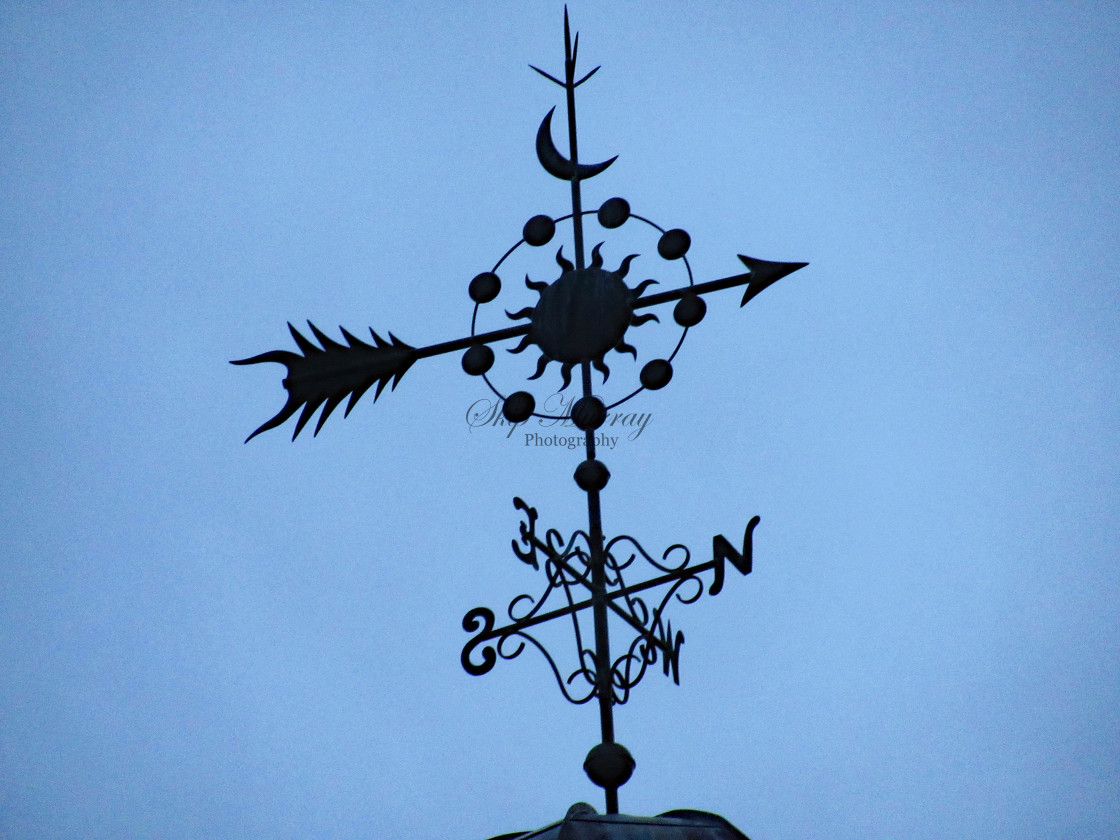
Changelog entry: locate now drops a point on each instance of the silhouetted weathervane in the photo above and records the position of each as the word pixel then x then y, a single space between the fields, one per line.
pixel 578 318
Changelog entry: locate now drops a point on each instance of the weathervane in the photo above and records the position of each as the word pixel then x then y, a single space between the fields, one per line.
pixel 579 317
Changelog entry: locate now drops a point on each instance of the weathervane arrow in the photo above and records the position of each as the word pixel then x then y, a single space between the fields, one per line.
pixel 326 375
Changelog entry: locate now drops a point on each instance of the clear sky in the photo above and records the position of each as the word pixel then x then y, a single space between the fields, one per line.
pixel 202 638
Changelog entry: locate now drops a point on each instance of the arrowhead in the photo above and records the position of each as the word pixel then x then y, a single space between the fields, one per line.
pixel 765 273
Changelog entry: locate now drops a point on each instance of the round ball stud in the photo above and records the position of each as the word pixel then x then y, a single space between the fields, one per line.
pixel 689 310
pixel 485 287
pixel 478 359
pixel 609 765
pixel 673 244
pixel 592 474
pixel 589 413
pixel 656 374
pixel 614 212
pixel 539 230
pixel 518 406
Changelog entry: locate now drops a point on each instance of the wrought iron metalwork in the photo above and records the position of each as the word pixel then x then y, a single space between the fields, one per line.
pixel 579 317
pixel 568 571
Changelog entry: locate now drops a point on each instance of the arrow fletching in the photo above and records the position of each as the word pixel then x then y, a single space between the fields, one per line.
pixel 326 375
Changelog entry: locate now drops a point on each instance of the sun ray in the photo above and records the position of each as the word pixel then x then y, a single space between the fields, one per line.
pixel 542 363
pixel 566 374
pixel 527 312
pixel 526 340
pixel 535 285
pixel 624 269
pixel 596 257
pixel 561 261
pixel 638 320
pixel 601 366
pixel 623 347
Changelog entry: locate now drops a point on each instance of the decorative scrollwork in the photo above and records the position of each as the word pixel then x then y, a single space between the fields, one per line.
pixel 628 670
pixel 569 569
pixel 484 618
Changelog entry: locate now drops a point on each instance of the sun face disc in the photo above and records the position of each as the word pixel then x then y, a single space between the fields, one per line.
pixel 582 315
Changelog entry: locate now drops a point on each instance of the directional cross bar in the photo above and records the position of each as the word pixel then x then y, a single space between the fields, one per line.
pixel 480 620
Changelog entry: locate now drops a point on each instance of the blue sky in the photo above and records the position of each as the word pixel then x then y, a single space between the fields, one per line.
pixel 203 638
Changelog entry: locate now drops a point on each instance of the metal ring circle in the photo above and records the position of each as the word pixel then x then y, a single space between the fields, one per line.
pixel 640 388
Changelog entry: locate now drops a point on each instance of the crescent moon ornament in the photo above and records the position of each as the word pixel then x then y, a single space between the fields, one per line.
pixel 556 164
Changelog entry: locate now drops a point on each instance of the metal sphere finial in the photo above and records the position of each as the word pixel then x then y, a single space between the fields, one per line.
pixel 609 765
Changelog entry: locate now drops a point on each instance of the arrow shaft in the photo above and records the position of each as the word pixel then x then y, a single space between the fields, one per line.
pixel 698 289
pixel 762 274
pixel 464 343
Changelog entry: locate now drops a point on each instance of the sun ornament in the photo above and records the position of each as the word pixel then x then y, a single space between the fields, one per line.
pixel 584 313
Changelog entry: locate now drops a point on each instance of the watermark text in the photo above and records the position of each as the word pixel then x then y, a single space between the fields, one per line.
pixel 487 413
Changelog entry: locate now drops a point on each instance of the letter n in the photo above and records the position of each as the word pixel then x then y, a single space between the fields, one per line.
pixel 723 550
